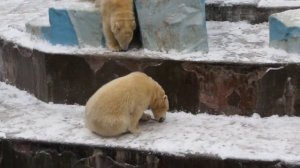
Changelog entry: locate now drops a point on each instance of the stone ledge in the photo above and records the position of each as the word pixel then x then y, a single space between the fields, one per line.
pixel 217 88
pixel 236 12
pixel 29 154
pixel 229 42
pixel 215 139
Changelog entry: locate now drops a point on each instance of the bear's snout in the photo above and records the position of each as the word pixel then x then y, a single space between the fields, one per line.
pixel 162 119
pixel 124 46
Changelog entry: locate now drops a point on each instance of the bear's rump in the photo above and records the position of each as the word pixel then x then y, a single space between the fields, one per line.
pixel 109 125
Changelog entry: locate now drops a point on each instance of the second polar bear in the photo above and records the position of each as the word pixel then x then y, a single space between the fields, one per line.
pixel 118 22
pixel 118 106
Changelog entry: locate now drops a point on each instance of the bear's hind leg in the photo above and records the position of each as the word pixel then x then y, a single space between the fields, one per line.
pixel 109 126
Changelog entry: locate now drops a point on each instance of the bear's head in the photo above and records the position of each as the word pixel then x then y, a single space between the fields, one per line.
pixel 160 106
pixel 123 26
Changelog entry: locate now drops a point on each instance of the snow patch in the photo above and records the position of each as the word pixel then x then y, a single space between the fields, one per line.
pixel 279 3
pixel 232 2
pixel 255 138
pixel 258 3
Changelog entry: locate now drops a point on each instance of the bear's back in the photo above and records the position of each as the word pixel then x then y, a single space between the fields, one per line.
pixel 132 79
pixel 112 6
pixel 133 84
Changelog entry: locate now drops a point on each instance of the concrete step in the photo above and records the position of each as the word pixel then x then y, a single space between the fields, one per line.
pixel 46 135
pixel 18 153
pixel 241 74
pixel 237 76
pixel 254 11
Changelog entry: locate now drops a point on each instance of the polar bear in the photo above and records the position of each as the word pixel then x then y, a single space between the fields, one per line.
pixel 118 22
pixel 118 106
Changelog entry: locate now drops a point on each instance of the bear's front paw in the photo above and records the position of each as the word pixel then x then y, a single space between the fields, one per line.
pixel 146 117
pixel 114 48
pixel 135 131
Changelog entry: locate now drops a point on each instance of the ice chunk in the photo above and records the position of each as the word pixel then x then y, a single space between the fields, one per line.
pixel 173 25
pixel 285 30
pixel 73 27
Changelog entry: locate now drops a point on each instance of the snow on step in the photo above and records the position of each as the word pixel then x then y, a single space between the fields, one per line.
pixel 233 2
pixel 258 3
pixel 255 138
pixel 285 30
pixel 278 3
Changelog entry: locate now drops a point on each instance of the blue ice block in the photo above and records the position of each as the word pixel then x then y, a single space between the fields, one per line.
pixel 74 27
pixel 173 25
pixel 285 30
pixel 61 30
pixel 88 27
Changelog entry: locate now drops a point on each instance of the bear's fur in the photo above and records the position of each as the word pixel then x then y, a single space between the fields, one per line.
pixel 118 22
pixel 118 106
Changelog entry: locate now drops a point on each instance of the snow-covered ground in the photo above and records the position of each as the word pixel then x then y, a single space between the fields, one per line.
pixel 228 42
pixel 259 3
pixel 278 3
pixel 232 2
pixel 273 138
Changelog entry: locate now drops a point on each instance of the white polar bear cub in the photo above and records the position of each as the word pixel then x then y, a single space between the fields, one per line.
pixel 118 106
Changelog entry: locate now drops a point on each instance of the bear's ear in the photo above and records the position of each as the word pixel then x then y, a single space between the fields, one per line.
pixel 165 97
pixel 133 25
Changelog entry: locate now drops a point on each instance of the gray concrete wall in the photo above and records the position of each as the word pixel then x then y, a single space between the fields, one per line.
pixel 223 88
pixel 24 154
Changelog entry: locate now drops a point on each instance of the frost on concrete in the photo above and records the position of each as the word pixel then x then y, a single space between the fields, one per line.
pixel 273 138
